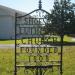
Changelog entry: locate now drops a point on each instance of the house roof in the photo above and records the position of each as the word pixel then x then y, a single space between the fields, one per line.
pixel 11 11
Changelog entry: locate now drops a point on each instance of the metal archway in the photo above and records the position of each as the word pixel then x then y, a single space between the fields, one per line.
pixel 34 55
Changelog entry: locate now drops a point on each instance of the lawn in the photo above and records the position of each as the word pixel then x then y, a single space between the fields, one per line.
pixel 7 41
pixel 69 60
pixel 66 39
pixel 7 58
pixel 7 61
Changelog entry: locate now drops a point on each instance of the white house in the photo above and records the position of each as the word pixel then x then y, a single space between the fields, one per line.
pixel 7 22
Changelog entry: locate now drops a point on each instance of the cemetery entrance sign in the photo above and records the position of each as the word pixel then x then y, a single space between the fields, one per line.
pixel 35 52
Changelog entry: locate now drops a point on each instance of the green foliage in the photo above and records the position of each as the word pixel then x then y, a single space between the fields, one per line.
pixel 62 18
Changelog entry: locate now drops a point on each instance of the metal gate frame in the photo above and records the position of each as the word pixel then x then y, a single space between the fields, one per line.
pixel 18 36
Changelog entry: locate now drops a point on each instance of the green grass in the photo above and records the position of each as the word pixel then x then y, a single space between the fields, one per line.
pixel 66 38
pixel 7 61
pixel 7 58
pixel 7 41
pixel 69 60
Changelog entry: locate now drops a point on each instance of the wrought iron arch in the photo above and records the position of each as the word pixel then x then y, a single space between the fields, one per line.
pixel 33 12
pixel 36 51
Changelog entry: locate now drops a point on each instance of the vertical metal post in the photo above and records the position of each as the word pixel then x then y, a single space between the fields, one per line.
pixel 62 35
pixel 61 55
pixel 15 44
pixel 37 71
pixel 40 71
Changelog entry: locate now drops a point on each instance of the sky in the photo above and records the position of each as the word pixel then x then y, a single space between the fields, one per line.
pixel 28 5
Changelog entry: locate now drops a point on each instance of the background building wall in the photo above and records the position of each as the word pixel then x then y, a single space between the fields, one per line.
pixel 7 22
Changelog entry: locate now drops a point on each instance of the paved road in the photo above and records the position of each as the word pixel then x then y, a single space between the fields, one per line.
pixel 7 46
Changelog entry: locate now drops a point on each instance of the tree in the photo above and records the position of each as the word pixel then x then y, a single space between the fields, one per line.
pixel 62 16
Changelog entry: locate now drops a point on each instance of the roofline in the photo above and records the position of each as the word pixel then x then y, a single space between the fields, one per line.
pixel 12 10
